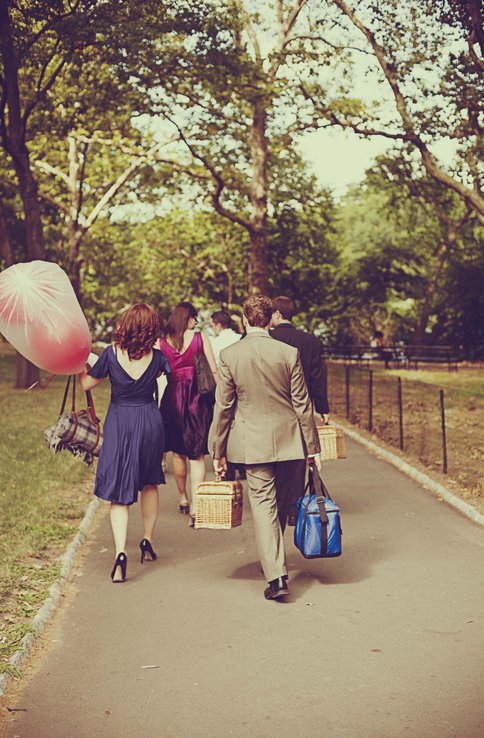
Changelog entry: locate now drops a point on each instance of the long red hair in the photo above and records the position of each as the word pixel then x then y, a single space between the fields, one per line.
pixel 138 331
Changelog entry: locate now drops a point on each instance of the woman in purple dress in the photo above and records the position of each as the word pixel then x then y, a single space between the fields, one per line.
pixel 186 413
pixel 132 451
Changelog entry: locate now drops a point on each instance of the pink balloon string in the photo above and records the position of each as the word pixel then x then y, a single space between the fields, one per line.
pixel 42 386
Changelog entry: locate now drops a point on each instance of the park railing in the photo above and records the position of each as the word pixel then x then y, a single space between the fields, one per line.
pixel 398 355
pixel 440 428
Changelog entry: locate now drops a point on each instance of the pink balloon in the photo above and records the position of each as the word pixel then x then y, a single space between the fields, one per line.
pixel 41 317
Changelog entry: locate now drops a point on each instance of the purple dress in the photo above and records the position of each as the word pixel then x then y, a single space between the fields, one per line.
pixel 186 414
pixel 134 436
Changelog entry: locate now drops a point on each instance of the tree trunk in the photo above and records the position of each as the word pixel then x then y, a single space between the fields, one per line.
pixel 258 273
pixel 6 249
pixel 31 206
pixel 75 277
pixel 75 259
pixel 230 288
pixel 13 140
pixel 431 290
pixel 258 281
pixel 26 373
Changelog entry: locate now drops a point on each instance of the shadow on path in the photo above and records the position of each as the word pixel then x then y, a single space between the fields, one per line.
pixel 385 641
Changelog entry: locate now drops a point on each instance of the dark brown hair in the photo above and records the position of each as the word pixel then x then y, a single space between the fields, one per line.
pixel 177 323
pixel 258 311
pixel 138 331
pixel 285 306
pixel 222 318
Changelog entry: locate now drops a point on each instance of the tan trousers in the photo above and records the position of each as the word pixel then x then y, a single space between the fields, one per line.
pixel 268 534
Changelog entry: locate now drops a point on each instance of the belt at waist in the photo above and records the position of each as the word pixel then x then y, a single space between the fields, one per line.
pixel 146 403
pixel 181 377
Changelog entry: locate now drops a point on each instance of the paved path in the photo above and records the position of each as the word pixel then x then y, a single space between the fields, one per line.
pixel 386 641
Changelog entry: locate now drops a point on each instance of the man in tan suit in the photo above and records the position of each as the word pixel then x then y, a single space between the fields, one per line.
pixel 263 419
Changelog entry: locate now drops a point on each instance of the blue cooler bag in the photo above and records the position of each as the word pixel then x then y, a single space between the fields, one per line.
pixel 318 528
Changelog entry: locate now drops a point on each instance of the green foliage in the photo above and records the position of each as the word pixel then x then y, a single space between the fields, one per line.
pixel 181 256
pixel 43 497
pixel 459 308
pixel 382 258
pixel 406 241
pixel 304 257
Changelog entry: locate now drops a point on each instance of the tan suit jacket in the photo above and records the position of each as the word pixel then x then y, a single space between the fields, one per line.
pixel 262 408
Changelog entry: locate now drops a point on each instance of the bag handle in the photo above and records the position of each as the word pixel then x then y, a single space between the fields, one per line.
pixel 317 488
pixel 315 484
pixel 90 407
pixel 92 413
pixel 64 399
pixel 89 398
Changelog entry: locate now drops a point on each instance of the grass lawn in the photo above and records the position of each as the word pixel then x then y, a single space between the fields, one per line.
pixel 43 497
pixel 467 381
pixel 421 419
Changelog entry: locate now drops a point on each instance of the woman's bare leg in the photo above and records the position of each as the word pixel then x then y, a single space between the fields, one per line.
pixel 180 472
pixel 119 524
pixel 149 499
pixel 197 475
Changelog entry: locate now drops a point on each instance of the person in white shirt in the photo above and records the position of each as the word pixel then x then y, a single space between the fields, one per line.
pixel 224 335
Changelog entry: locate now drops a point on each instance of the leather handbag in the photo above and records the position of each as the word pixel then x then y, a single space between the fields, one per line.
pixel 318 525
pixel 77 431
pixel 205 379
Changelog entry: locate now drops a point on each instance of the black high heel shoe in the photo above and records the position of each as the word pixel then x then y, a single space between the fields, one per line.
pixel 147 550
pixel 184 508
pixel 122 562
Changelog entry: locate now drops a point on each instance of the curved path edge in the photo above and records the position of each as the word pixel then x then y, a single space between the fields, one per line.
pixel 423 479
pixel 48 608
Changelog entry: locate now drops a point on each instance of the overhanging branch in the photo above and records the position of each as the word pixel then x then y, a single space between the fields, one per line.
pixel 219 184
pixel 471 197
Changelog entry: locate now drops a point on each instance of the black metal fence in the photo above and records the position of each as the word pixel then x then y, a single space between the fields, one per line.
pixel 398 355
pixel 440 428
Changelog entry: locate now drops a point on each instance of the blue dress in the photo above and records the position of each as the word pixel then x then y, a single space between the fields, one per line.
pixel 134 436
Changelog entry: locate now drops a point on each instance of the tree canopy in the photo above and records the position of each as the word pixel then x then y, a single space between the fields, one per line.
pixel 152 149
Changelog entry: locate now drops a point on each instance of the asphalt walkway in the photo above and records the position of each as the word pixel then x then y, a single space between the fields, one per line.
pixel 385 641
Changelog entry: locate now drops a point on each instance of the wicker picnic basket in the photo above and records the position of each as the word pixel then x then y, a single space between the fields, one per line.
pixel 332 441
pixel 218 504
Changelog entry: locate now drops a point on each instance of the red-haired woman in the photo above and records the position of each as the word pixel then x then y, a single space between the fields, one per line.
pixel 186 413
pixel 134 437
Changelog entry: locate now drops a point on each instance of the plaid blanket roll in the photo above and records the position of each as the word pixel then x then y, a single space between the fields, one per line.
pixel 77 433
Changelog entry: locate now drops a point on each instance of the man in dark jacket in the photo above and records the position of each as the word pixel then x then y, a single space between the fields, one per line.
pixel 309 348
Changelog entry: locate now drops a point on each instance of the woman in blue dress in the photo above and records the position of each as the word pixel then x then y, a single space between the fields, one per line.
pixel 134 436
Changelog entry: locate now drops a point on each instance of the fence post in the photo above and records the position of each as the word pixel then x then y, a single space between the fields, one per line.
pixel 347 388
pixel 370 400
pixel 400 412
pixel 444 435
